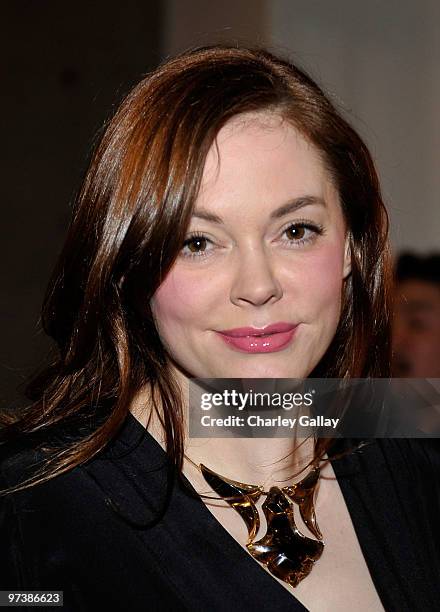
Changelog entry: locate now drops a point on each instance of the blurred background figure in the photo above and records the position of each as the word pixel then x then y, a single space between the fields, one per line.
pixel 416 332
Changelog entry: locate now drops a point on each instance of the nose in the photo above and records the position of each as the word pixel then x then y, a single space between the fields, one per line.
pixel 255 281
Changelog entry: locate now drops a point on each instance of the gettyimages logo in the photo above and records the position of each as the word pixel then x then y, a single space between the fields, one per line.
pixel 236 399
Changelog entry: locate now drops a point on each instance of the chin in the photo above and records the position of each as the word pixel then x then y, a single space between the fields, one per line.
pixel 264 371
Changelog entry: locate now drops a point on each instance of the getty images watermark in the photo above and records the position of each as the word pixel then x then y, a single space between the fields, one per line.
pixel 257 399
pixel 263 408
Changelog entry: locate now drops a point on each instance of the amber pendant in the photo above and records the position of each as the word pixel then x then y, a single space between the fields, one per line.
pixel 284 550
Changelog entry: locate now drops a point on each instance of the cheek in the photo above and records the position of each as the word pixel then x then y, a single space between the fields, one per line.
pixel 180 300
pixel 317 284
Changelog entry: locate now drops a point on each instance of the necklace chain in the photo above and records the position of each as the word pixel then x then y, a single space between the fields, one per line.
pixel 263 492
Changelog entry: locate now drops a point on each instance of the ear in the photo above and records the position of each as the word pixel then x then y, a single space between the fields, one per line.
pixel 347 257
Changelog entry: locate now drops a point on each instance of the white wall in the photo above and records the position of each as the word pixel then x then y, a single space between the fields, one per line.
pixel 378 59
pixel 381 61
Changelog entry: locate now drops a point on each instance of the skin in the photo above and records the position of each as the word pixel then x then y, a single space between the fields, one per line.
pixel 416 330
pixel 253 272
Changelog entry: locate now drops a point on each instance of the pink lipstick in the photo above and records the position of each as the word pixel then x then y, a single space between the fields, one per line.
pixel 267 339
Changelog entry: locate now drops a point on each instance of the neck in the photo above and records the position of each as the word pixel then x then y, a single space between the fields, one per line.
pixel 265 461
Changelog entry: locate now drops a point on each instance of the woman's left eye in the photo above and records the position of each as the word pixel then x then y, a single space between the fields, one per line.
pixel 195 246
pixel 302 232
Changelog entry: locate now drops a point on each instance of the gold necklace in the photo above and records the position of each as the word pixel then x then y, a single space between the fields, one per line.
pixel 284 550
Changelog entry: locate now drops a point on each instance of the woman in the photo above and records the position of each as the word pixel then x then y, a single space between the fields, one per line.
pixel 226 199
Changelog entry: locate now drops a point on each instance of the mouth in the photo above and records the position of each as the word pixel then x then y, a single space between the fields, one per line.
pixel 268 339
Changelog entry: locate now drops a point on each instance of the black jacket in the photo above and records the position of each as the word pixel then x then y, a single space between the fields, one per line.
pixel 84 532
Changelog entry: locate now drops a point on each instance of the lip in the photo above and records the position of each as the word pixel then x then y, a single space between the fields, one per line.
pixel 268 339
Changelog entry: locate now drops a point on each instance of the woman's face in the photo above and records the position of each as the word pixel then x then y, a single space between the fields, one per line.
pixel 269 250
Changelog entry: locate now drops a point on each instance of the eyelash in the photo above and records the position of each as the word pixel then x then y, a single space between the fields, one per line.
pixel 317 228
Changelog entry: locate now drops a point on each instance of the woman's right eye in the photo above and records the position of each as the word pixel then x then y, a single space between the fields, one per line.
pixel 195 246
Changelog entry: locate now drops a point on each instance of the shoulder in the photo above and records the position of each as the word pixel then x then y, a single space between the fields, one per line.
pixel 18 460
pixel 66 499
pixel 412 455
pixel 46 528
pixel 416 453
pixel 83 495
pixel 413 466
pixel 394 469
pixel 400 462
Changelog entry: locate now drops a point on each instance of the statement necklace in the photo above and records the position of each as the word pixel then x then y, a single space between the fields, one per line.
pixel 284 550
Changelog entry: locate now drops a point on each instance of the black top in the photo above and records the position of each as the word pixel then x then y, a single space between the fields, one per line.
pixel 82 532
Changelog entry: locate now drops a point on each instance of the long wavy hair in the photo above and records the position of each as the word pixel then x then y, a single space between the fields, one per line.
pixel 128 226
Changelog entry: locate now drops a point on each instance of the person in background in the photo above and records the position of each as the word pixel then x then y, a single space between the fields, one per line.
pixel 416 324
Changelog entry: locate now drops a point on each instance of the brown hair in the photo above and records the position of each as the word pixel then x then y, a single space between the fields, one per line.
pixel 129 224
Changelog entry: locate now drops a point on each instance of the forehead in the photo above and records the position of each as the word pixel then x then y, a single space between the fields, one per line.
pixel 263 160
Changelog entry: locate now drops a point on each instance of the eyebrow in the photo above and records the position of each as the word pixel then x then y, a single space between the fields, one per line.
pixel 284 209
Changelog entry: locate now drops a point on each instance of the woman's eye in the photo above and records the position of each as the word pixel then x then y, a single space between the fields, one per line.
pixel 296 232
pixel 195 246
pixel 301 232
